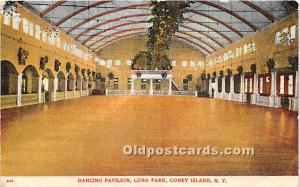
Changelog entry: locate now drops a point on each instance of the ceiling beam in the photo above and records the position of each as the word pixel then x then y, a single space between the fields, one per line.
pixel 64 19
pixel 51 7
pixel 199 39
pixel 144 33
pixel 262 11
pixel 213 29
pixel 218 21
pixel 204 34
pixel 105 13
pixel 209 3
pixel 116 33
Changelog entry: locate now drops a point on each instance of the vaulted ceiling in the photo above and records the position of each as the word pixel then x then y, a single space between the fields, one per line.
pixel 208 25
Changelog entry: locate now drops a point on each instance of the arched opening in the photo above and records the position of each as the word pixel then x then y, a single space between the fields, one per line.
pixel 60 82
pixel 227 84
pixel 220 84
pixel 70 82
pixel 9 78
pixel 48 84
pixel 237 83
pixel 30 81
pixel 78 83
pixel 85 83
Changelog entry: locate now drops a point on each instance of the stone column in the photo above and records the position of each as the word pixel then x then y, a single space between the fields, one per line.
pixel 272 102
pixel 295 99
pixel 242 89
pixel 231 92
pixel 132 86
pixel 151 87
pixel 81 81
pixel 40 78
pixel 216 93
pixel 55 88
pixel 66 88
pixel 223 87
pixel 19 90
pixel 74 87
pixel 170 87
pixel 209 87
pixel 255 89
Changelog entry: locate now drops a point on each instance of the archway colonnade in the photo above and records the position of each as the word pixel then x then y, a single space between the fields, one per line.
pixel 276 89
pixel 31 87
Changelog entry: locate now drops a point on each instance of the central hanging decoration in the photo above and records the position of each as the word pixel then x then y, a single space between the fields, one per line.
pixel 168 16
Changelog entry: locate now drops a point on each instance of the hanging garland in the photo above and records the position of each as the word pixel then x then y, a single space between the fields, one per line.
pixel 57 64
pixel 68 67
pixel 22 56
pixel 168 16
pixel 77 69
pixel 270 64
pixel 43 62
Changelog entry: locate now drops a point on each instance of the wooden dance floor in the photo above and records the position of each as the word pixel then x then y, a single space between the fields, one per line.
pixel 85 136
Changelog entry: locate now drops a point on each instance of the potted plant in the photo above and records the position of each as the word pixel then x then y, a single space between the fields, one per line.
pixel 293 61
pixel 43 62
pixel 83 72
pixel 98 75
pixel 68 67
pixel 57 64
pixel 253 68
pixel 138 74
pixel 214 74
pixel 208 76
pixel 229 71
pixel 111 76
pixel 240 69
pixel 203 76
pixel 221 73
pixel 22 56
pixel 270 64
pixel 189 77
pixel 164 75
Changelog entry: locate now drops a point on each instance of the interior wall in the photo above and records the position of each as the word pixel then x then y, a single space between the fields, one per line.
pixel 127 48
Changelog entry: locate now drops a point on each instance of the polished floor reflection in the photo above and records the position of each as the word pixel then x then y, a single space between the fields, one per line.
pixel 85 136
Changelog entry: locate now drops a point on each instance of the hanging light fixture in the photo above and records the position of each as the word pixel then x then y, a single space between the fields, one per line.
pixel 52 32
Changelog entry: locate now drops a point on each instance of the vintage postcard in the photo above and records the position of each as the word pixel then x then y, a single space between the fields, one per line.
pixel 149 93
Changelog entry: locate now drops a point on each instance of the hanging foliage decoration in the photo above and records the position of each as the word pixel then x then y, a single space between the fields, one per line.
pixel 22 56
pixel 239 69
pixel 43 62
pixel 253 68
pixel 168 16
pixel 111 76
pixel 57 64
pixel 68 67
pixel 293 61
pixel 189 77
pixel 88 72
pixel 77 69
pixel 270 64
